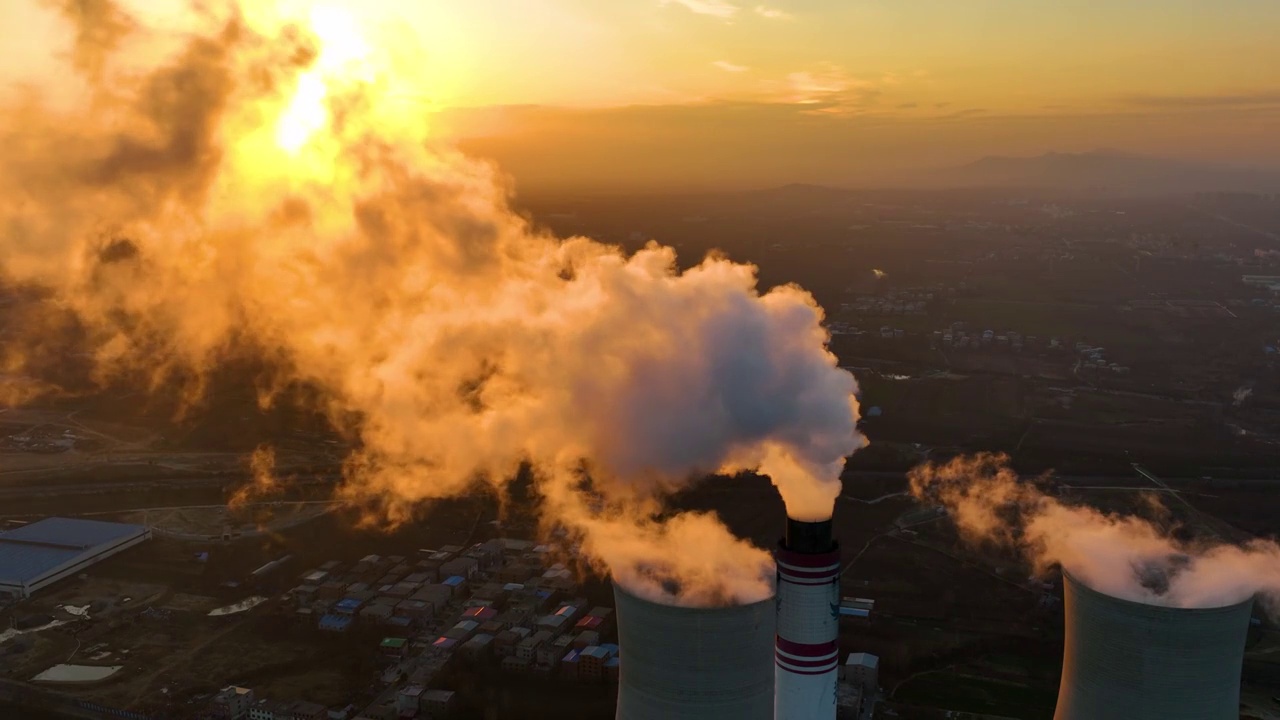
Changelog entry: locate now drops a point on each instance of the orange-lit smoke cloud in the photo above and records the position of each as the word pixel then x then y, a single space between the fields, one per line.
pixel 1123 556
pixel 263 483
pixel 261 192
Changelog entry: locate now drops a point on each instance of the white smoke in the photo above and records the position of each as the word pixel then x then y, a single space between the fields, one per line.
pixel 448 335
pixel 1123 556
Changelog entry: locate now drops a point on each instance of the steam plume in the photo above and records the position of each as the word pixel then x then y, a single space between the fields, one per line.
pixel 264 482
pixel 257 194
pixel 1241 394
pixel 1123 556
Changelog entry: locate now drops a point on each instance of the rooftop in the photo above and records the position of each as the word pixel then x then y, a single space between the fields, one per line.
pixel 866 660
pixel 33 551
pixel 438 696
pixel 596 651
pixel 335 622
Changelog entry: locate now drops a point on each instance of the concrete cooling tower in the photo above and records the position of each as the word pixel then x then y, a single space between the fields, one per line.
pixel 807 652
pixel 684 662
pixel 1125 660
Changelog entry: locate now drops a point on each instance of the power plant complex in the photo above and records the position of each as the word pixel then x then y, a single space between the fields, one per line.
pixel 1126 660
pixel 1123 660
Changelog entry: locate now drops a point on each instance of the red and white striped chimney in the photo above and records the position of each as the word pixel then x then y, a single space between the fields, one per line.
pixel 806 653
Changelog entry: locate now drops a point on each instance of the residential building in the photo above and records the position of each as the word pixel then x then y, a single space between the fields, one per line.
pixel 408 699
pixel 394 647
pixel 462 630
pixel 528 648
pixel 592 660
pixel 437 595
pixel 507 641
pixel 437 703
pixel 569 665
pixel 464 567
pixel 269 710
pixel 549 653
pixel 479 646
pixel 232 703
pixel 514 664
pixel 306 710
pixel 335 623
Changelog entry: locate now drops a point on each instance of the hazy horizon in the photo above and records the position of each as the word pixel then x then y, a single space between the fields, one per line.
pixel 715 94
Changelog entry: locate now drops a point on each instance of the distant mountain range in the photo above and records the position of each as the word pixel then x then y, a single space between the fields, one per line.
pixel 1108 171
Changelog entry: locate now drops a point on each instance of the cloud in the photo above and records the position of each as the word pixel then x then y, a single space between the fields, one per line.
pixel 714 8
pixel 1265 98
pixel 727 66
pixel 772 13
pixel 967 112
pixel 829 90
pixel 908 106
pixel 824 83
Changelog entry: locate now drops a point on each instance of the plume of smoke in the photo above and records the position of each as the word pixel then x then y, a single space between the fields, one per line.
pixel 1123 556
pixel 1240 395
pixel 880 274
pixel 263 483
pixel 451 338
pixel 686 559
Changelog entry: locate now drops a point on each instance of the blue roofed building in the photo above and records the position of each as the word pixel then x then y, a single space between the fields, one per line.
pixel 335 623
pixel 348 606
pixel 43 552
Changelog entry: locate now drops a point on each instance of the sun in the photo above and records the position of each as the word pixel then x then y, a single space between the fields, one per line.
pixel 305 114
pixel 344 58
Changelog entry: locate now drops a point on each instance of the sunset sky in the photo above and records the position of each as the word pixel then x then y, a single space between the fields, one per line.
pixel 828 90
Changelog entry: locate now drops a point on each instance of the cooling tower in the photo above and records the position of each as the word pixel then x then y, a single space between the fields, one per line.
pixel 1130 661
pixel 683 662
pixel 806 652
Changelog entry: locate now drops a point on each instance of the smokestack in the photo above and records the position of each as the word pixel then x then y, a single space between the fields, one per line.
pixel 1126 660
pixel 708 663
pixel 806 653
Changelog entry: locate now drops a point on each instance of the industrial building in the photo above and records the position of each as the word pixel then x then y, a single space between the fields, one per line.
pixel 807 653
pixel 1126 660
pixel 862 670
pixel 688 662
pixel 41 553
